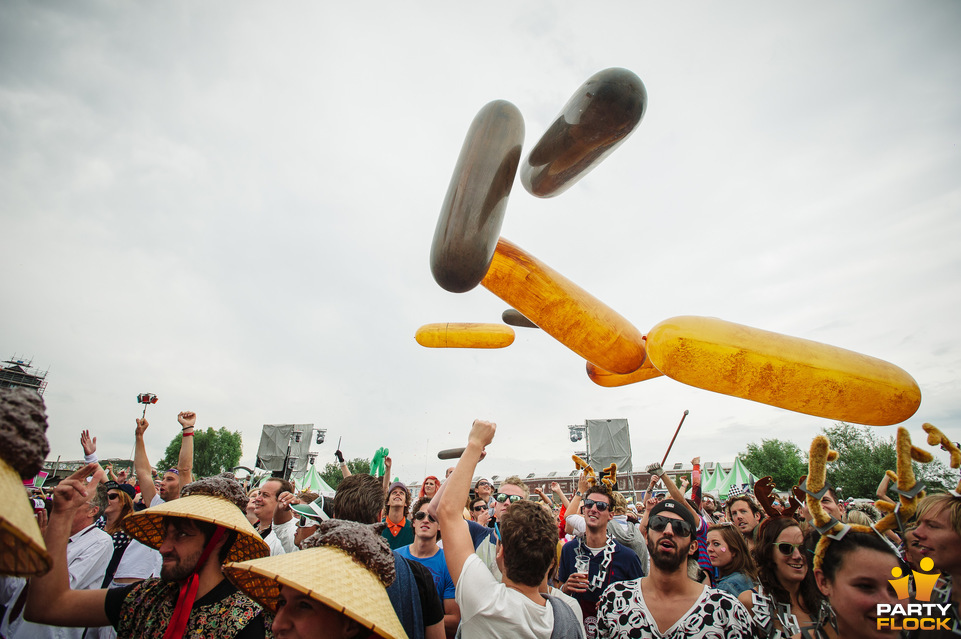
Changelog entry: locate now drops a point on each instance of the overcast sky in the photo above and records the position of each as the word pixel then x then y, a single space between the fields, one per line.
pixel 231 205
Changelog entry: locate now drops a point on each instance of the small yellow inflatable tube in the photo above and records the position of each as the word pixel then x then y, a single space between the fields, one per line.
pixel 788 372
pixel 464 335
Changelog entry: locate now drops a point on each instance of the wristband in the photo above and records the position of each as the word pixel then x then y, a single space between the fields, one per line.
pixel 190 434
pixel 89 459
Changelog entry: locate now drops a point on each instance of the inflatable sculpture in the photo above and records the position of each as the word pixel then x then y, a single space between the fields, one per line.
pixel 464 335
pixel 473 211
pixel 708 353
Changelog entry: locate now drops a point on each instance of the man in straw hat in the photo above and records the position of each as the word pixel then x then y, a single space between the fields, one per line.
pixel 195 534
pixel 334 588
pixel 525 553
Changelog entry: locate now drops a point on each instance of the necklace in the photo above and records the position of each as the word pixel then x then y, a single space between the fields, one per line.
pixel 597 581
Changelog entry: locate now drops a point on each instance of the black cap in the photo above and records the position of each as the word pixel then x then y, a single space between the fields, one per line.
pixel 679 509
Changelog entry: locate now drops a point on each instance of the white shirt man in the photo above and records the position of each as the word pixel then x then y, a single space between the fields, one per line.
pixel 89 550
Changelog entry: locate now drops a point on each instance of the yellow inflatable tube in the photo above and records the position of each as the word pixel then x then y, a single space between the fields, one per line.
pixel 563 310
pixel 788 372
pixel 466 335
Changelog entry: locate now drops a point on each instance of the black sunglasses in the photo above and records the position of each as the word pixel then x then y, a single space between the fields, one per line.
pixel 600 505
pixel 477 509
pixel 112 496
pixel 787 549
pixel 423 513
pixel 502 497
pixel 658 523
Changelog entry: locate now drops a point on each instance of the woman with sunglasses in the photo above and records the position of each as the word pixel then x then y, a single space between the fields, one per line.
pixel 131 560
pixel 788 598
pixel 479 510
pixel 728 553
pixel 425 551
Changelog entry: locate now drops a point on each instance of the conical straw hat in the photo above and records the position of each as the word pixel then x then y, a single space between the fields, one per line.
pixel 147 525
pixel 22 551
pixel 327 574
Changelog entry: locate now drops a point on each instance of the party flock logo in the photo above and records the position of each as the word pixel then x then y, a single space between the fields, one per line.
pixel 921 615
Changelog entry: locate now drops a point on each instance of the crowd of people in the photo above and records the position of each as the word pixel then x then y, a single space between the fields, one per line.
pixel 173 557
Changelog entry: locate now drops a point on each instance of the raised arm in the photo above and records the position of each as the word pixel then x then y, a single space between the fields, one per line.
pixel 458 545
pixel 556 489
pixel 185 462
pixel 385 480
pixel 142 466
pixel 547 500
pixel 696 481
pixel 50 599
pixel 89 445
pixel 675 492
pixel 343 464
pixel 883 489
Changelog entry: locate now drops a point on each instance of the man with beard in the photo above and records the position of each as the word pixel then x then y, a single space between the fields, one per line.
pixel 667 603
pixel 191 598
pixel 591 564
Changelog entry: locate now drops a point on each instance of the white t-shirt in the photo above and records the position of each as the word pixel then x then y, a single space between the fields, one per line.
pixel 622 613
pixel 138 562
pixel 489 609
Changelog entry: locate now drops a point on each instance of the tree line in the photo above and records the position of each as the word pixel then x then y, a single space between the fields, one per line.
pixel 863 457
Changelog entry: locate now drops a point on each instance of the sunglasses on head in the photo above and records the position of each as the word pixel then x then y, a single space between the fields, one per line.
pixel 658 523
pixel 479 508
pixel 423 513
pixel 502 497
pixel 787 549
pixel 600 505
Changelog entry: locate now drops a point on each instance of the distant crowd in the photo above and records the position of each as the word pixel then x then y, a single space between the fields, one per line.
pixel 162 555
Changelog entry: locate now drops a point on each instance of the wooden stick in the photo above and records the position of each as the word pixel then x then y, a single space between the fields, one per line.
pixel 664 461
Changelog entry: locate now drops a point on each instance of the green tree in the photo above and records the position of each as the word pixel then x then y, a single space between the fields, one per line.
pixel 214 451
pixel 332 475
pixel 782 460
pixel 863 457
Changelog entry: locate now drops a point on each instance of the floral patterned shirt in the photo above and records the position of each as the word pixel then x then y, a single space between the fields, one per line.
pixel 143 610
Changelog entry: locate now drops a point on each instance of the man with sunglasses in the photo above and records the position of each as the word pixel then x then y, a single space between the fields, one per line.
pixel 607 560
pixel 667 603
pixel 425 551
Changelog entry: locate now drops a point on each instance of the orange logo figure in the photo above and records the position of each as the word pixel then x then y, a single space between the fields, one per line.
pixel 924 582
pixel 900 584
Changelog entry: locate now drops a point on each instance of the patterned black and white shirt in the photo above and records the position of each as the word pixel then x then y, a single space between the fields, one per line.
pixel 623 614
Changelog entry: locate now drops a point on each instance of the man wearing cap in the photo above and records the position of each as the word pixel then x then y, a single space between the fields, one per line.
pixel 174 478
pixel 399 532
pixel 311 515
pixel 667 603
pixel 195 534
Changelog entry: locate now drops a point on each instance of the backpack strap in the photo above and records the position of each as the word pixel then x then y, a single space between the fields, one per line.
pixel 566 625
